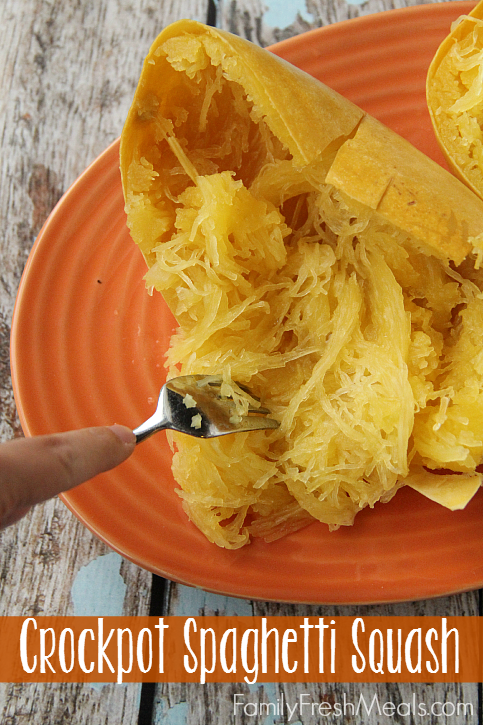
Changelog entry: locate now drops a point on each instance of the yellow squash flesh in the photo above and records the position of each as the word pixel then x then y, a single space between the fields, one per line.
pixel 454 92
pixel 310 252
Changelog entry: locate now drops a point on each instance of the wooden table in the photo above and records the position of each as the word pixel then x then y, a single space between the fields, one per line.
pixel 68 71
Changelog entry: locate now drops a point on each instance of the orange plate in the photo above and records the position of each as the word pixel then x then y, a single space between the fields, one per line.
pixel 88 344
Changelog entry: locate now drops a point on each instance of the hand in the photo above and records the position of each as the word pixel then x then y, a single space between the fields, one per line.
pixel 36 469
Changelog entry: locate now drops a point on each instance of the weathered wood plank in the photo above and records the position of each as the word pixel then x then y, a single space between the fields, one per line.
pixel 68 72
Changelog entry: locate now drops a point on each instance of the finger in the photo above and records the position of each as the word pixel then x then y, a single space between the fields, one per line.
pixel 35 469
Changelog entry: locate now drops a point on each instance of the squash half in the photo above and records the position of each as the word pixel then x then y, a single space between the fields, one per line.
pixel 454 91
pixel 310 252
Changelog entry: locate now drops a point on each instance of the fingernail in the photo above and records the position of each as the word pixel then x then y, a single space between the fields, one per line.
pixel 123 433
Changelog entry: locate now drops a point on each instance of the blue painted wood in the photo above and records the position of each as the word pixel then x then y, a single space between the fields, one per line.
pixel 99 589
pixel 282 13
pixel 167 714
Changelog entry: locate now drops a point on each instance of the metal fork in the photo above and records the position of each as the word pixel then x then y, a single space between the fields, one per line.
pixel 194 404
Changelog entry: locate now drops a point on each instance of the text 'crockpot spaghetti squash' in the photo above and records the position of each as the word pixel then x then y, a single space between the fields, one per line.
pixel 316 256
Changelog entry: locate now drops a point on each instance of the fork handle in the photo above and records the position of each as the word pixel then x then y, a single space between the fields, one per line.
pixel 149 428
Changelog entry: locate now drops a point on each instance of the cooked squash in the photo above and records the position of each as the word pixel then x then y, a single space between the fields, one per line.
pixel 310 252
pixel 454 92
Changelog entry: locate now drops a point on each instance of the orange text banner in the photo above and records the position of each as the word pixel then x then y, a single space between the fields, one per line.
pixel 241 649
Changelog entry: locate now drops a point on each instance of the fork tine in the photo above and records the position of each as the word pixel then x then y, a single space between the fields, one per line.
pixel 242 386
pixel 254 422
pixel 248 391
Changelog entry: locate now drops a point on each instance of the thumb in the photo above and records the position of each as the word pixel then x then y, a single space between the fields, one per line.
pixel 36 469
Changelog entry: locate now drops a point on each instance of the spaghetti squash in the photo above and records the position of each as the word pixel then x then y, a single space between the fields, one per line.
pixel 455 98
pixel 311 253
